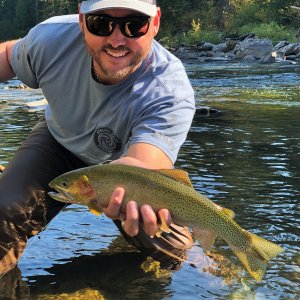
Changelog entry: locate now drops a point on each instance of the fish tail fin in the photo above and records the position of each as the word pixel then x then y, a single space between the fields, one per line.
pixel 256 257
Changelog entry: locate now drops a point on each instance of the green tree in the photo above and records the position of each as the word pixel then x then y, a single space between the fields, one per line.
pixel 25 16
pixel 7 13
pixel 18 16
pixel 58 7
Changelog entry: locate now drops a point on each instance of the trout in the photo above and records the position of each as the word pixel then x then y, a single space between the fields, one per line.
pixel 173 190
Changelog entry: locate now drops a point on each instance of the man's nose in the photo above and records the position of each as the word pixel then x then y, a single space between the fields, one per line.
pixel 117 38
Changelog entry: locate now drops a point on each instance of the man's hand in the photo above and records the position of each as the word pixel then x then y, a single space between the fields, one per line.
pixel 135 215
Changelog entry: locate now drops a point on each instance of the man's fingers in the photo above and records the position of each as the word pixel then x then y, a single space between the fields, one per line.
pixel 165 216
pixel 146 215
pixel 131 224
pixel 113 209
pixel 149 220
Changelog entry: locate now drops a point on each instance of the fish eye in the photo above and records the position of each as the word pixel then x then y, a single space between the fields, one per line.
pixel 64 184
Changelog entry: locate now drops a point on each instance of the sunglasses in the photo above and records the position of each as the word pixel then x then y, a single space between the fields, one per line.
pixel 104 25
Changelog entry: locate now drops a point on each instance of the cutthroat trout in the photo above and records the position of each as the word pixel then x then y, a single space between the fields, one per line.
pixel 169 189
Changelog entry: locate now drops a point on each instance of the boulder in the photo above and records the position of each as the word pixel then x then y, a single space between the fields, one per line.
pixel 221 48
pixel 267 59
pixel 248 59
pixel 257 48
pixel 280 45
pixel 231 44
pixel 204 46
pixel 290 49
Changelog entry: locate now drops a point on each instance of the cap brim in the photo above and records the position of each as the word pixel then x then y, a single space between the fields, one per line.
pixel 140 6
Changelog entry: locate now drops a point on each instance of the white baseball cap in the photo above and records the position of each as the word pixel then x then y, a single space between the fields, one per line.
pixel 147 7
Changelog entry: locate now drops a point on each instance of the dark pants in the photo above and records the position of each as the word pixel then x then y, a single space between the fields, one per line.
pixel 26 208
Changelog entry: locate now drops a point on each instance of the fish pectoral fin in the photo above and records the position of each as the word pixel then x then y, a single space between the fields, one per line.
pixel 178 175
pixel 205 237
pixel 169 253
pixel 163 227
pixel 256 257
pixel 94 209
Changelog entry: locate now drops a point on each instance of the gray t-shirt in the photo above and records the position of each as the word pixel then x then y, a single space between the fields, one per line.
pixel 96 122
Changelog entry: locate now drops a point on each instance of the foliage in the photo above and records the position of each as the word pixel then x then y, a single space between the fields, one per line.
pixel 209 16
pixel 270 30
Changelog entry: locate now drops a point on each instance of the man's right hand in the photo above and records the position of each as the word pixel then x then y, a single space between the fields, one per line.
pixel 133 215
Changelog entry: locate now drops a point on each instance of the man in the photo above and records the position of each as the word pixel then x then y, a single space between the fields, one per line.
pixel 114 94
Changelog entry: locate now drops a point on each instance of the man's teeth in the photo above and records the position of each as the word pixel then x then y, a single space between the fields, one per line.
pixel 117 55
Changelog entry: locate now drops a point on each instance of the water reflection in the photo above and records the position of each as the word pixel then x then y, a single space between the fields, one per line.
pixel 246 158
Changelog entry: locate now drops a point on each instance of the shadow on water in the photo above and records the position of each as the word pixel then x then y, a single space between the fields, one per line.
pixel 110 275
pixel 245 158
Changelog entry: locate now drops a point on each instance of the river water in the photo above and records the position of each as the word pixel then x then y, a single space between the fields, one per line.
pixel 243 153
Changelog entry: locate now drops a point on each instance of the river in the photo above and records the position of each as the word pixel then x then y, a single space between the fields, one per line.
pixel 243 153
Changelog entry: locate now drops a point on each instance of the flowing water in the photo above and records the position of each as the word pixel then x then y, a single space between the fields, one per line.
pixel 244 154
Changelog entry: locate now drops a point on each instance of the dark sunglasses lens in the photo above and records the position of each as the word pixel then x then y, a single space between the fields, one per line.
pixel 136 27
pixel 102 25
pixel 99 25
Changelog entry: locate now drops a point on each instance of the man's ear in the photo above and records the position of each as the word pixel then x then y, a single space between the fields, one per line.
pixel 80 18
pixel 156 21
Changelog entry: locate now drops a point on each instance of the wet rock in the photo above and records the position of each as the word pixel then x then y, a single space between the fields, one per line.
pixel 212 59
pixel 245 48
pixel 257 48
pixel 221 48
pixel 204 46
pixel 20 86
pixel 235 37
pixel 206 111
pixel 231 44
pixel 215 54
pixel 280 45
pixel 267 59
pixel 248 58
pixel 286 51
pixel 290 49
pixel 291 57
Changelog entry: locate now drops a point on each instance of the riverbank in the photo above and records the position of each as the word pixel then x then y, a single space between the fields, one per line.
pixel 247 48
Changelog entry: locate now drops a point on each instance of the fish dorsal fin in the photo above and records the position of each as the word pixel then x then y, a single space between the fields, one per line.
pixel 178 175
pixel 228 212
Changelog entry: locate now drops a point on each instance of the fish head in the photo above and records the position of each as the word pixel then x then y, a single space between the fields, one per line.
pixel 72 188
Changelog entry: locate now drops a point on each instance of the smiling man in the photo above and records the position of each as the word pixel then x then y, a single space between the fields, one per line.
pixel 113 93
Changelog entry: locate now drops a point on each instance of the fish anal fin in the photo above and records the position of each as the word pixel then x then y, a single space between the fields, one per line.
pixel 178 175
pixel 94 209
pixel 205 237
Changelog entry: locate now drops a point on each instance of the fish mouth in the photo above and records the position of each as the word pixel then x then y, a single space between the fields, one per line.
pixel 61 194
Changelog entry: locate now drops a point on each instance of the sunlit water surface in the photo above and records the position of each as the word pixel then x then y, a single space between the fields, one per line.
pixel 245 158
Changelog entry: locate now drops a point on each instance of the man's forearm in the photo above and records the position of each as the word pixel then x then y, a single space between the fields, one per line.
pixel 6 71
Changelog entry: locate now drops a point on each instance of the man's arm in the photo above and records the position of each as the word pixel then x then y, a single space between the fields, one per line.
pixel 145 156
pixel 6 71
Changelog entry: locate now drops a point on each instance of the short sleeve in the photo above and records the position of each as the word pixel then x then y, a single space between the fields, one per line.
pixel 165 125
pixel 22 58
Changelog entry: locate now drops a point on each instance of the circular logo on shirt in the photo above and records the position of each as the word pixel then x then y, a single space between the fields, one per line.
pixel 106 140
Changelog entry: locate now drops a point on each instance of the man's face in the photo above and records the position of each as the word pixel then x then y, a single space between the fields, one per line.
pixel 117 56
